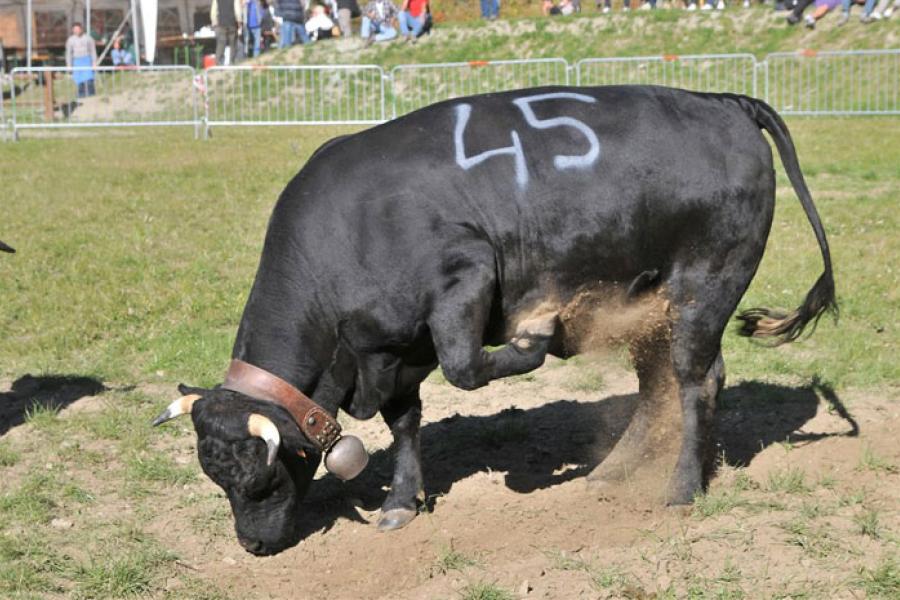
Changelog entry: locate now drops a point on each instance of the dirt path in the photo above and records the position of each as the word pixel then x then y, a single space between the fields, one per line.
pixel 510 506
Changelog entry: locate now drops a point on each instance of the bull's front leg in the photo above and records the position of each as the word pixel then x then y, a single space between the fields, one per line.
pixel 403 415
pixel 457 327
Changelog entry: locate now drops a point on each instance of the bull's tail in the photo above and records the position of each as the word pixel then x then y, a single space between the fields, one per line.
pixel 764 322
pixel 5 248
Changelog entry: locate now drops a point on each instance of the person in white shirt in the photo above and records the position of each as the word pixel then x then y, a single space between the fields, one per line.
pixel 319 26
pixel 81 53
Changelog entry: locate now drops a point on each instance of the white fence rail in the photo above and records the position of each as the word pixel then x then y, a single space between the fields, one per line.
pixel 291 95
pixel 415 86
pixel 56 97
pixel 865 82
pixel 862 82
pixel 734 73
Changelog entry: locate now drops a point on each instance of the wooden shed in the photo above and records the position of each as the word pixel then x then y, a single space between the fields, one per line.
pixel 53 20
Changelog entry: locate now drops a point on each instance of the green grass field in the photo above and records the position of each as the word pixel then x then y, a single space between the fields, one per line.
pixel 136 252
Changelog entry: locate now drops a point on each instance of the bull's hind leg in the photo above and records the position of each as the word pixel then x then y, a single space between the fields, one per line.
pixel 458 325
pixel 702 313
pixel 700 371
pixel 403 415
pixel 655 421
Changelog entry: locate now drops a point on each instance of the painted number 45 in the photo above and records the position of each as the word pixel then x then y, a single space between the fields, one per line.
pixel 560 161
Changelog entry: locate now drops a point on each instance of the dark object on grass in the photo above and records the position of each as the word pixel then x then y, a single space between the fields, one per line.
pixel 5 248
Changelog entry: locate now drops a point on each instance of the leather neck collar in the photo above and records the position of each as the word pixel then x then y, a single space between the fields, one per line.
pixel 316 424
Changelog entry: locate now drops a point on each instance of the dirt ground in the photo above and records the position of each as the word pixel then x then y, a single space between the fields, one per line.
pixel 509 507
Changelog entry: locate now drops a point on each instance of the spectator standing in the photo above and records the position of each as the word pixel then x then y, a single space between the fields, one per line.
pixel 81 51
pixel 377 21
pixel 292 15
pixel 412 18
pixel 224 16
pixel 252 19
pixel 490 9
pixel 347 9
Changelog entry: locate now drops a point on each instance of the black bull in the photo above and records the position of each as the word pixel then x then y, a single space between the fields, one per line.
pixel 482 220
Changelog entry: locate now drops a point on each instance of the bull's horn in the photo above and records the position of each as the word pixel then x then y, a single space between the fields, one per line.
pixel 179 407
pixel 262 427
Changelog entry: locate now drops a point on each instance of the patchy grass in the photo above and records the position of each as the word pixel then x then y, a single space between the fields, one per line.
pixel 791 480
pixel 8 456
pixel 872 462
pixel 485 591
pixel 42 416
pixel 882 581
pixel 564 561
pixel 123 568
pixel 725 494
pixel 32 502
pixel 868 523
pixel 814 540
pixel 586 378
pixel 448 559
pixel 156 467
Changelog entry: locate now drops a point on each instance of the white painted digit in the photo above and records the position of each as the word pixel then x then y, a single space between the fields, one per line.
pixel 463 112
pixel 563 161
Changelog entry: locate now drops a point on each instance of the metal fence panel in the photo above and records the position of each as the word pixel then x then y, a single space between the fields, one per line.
pixel 291 95
pixel 860 82
pixel 416 86
pixel 734 73
pixel 124 97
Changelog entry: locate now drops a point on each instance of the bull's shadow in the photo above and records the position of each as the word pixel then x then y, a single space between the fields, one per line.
pixel 563 440
pixel 51 391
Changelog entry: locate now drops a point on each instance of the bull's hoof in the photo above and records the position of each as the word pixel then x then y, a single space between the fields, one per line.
pixel 682 492
pixel 396 518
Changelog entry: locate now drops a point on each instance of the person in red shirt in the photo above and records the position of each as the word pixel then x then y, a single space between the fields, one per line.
pixel 412 18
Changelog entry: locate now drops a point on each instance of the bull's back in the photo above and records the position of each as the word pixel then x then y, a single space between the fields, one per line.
pixel 581 183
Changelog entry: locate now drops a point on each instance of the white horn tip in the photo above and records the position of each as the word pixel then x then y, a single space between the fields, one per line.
pixel 181 406
pixel 262 427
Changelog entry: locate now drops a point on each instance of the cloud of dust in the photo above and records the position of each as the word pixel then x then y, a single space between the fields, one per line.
pixel 601 316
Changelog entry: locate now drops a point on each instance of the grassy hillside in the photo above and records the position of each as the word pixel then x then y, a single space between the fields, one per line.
pixel 757 31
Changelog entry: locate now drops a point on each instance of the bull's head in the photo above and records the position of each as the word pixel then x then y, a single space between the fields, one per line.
pixel 257 454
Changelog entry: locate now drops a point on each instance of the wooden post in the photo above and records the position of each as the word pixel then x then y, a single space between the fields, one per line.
pixel 48 96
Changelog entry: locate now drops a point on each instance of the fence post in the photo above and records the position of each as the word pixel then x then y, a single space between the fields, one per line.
pixel 48 97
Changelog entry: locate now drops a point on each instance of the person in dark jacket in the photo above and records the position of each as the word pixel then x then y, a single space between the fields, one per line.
pixel 225 15
pixel 347 9
pixel 291 13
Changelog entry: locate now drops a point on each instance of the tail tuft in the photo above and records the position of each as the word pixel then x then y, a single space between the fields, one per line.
pixel 782 327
